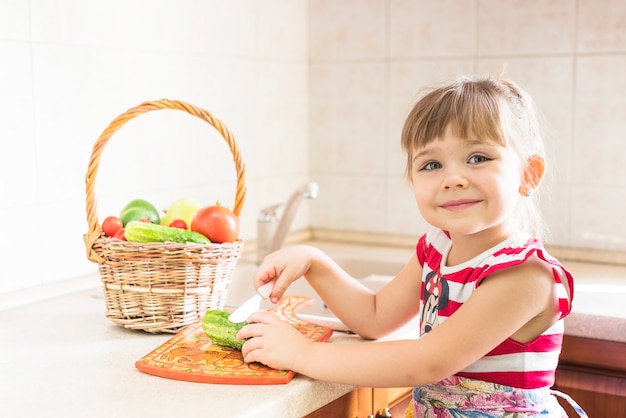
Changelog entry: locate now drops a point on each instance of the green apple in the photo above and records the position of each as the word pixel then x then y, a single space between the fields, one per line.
pixel 138 209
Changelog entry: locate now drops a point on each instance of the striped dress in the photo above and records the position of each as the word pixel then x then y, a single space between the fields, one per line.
pixel 528 365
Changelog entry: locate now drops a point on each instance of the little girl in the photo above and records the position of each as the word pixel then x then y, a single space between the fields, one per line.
pixel 490 299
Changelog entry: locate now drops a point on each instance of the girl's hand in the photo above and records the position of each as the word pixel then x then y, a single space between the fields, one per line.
pixel 284 267
pixel 272 342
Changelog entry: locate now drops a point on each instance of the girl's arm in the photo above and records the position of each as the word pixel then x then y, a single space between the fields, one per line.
pixel 519 303
pixel 366 313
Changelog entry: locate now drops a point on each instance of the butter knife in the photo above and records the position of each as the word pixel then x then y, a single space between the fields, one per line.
pixel 251 305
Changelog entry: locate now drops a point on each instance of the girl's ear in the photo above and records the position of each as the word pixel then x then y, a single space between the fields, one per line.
pixel 533 174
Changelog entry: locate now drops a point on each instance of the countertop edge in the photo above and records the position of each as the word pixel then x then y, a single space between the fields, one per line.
pixel 598 327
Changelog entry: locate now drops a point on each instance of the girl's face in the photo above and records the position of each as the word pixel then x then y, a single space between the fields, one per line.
pixel 467 186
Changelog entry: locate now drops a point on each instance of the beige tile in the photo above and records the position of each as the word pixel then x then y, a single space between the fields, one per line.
pixel 62 254
pixel 525 27
pixel 347 117
pixel 348 136
pixel 282 30
pixel 599 152
pixel 78 23
pixel 190 27
pixel 14 21
pixel 598 219
pixel 150 75
pixel 18 165
pixel 231 27
pixel 78 92
pixel 347 79
pixel 601 26
pixel 347 29
pixel 350 202
pixel 423 28
pixel 20 244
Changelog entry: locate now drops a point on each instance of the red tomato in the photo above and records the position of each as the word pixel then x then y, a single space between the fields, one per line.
pixel 217 223
pixel 111 225
pixel 178 223
pixel 120 234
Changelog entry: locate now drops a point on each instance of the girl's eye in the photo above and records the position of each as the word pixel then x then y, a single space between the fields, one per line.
pixel 477 159
pixel 431 165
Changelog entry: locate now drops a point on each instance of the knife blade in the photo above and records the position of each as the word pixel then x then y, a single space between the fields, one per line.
pixel 251 305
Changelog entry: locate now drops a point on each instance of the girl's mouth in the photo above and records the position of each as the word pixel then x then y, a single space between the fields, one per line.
pixel 458 205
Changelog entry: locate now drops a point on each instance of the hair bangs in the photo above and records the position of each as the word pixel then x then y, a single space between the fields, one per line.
pixel 470 109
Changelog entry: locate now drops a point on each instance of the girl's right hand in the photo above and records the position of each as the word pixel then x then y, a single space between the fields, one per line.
pixel 284 267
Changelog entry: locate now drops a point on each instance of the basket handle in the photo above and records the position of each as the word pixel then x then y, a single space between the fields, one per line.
pixel 94 231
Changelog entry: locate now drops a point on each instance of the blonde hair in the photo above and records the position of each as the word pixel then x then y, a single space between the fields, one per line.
pixel 491 109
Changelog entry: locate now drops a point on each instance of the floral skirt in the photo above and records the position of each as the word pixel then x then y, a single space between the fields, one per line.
pixel 459 397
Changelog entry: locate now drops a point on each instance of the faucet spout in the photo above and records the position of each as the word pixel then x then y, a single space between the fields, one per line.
pixel 271 242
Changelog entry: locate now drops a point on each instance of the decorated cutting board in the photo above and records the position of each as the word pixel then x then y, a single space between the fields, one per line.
pixel 190 355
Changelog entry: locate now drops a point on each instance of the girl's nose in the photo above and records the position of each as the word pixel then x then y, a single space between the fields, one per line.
pixel 454 180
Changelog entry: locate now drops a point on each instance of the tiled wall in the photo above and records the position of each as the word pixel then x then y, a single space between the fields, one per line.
pixel 70 66
pixel 311 89
pixel 370 58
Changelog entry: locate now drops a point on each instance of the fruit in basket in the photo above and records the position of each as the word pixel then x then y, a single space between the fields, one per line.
pixel 137 231
pixel 178 223
pixel 111 225
pixel 120 234
pixel 138 209
pixel 220 330
pixel 183 208
pixel 217 223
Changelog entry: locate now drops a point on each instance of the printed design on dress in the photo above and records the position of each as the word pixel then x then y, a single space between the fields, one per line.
pixel 436 296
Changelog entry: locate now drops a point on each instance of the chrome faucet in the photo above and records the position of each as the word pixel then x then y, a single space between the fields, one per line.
pixel 273 224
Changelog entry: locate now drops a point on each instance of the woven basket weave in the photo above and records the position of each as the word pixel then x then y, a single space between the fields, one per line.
pixel 161 287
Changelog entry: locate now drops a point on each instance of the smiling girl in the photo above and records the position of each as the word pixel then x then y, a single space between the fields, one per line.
pixel 490 299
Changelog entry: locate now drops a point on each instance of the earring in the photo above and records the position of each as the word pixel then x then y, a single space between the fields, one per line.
pixel 527 193
pixel 524 191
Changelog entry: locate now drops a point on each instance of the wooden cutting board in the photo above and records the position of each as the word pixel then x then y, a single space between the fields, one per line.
pixel 190 355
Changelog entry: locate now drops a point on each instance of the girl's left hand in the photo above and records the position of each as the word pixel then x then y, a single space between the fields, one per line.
pixel 272 341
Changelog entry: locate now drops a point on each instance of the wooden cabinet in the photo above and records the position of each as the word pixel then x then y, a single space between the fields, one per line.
pixel 367 403
pixel 593 373
pixel 393 401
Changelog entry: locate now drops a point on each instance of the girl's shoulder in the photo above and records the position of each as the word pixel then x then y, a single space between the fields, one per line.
pixel 512 252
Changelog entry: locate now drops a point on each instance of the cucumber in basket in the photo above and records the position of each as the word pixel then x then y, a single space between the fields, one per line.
pixel 138 231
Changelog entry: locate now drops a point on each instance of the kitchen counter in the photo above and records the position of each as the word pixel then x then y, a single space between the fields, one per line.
pixel 62 357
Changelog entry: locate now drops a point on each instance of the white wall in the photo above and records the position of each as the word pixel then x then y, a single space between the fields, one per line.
pixel 280 73
pixel 69 67
pixel 370 58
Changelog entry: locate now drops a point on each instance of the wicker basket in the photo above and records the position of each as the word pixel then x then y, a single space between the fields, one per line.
pixel 161 287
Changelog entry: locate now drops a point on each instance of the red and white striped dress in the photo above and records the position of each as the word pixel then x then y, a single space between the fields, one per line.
pixel 528 365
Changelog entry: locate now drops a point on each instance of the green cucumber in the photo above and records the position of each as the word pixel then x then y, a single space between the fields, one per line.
pixel 220 330
pixel 137 231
